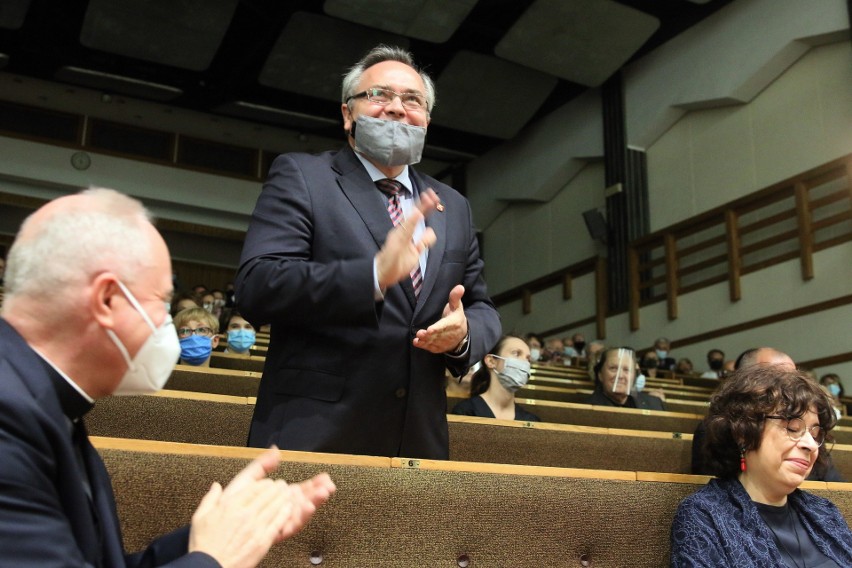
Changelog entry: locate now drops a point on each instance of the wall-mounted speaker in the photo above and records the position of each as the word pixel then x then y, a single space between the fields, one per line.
pixel 596 224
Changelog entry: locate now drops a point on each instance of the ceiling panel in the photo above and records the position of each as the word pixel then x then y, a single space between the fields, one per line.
pixel 334 46
pixel 429 20
pixel 499 65
pixel 12 13
pixel 486 95
pixel 180 33
pixel 584 41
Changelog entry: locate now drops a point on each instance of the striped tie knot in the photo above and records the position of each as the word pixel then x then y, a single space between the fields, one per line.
pixel 389 187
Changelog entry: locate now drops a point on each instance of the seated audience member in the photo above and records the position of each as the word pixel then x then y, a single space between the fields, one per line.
pixel 535 345
pixel 649 359
pixel 662 347
pixel 684 366
pixel 614 382
pixel 492 388
pixel 553 351
pixel 182 302
pixel 199 290
pixel 107 330
pixel 592 351
pixel 241 335
pixel 198 331
pixel 758 357
pixel 230 300
pixel 765 429
pixel 209 303
pixel 578 340
pixel 568 351
pixel 716 362
pixel 2 269
pixel 650 364
pixel 832 384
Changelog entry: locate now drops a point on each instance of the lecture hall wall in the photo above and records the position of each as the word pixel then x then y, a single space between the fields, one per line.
pixel 739 112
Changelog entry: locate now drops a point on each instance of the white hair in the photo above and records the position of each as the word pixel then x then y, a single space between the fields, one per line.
pixel 105 232
pixel 379 54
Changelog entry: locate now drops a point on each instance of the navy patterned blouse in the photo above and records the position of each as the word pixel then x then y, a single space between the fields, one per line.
pixel 719 526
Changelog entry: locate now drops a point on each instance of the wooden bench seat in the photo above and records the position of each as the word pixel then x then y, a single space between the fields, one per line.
pixel 391 512
pixel 214 381
pixel 237 362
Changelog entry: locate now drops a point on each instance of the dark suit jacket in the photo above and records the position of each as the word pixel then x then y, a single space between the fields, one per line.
pixel 46 518
pixel 341 374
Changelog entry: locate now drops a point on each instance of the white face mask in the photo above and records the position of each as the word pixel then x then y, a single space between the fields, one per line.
pixel 154 362
pixel 535 353
pixel 389 142
pixel 515 373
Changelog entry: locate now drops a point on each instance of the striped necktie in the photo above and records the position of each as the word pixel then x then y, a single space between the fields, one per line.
pixel 391 188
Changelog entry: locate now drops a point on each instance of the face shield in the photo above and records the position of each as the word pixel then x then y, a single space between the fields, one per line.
pixel 623 382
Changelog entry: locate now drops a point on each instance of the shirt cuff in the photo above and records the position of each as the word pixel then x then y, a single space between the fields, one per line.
pixel 378 293
pixel 464 351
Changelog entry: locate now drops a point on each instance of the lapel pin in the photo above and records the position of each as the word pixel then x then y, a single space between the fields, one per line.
pixel 440 207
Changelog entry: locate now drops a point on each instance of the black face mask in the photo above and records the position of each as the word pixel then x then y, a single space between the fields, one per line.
pixel 578 346
pixel 651 364
pixel 716 364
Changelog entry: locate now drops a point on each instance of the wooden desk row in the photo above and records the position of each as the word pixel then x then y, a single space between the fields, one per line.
pixel 200 418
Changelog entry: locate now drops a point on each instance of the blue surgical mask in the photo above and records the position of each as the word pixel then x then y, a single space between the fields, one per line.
pixel 640 382
pixel 195 349
pixel 662 354
pixel 240 340
pixel 834 389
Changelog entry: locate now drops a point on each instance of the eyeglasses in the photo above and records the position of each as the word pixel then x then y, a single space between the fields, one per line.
pixel 796 429
pixel 184 332
pixel 382 96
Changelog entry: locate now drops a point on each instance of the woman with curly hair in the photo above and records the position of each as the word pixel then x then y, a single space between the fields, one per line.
pixel 765 428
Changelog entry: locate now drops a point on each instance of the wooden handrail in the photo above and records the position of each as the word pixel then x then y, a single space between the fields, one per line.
pixel 780 206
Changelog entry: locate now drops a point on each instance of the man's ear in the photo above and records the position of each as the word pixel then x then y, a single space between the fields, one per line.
pixel 103 290
pixel 346 112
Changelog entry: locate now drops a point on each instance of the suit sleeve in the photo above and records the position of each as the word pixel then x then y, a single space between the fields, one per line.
pixel 170 550
pixel 483 320
pixel 279 278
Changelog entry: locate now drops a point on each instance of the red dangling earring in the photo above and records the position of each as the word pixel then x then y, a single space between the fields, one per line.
pixel 742 459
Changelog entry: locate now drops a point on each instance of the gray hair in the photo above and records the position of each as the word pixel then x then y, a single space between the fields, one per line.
pixel 379 54
pixel 105 232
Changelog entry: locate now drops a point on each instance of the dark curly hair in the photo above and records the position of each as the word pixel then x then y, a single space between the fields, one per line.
pixel 739 409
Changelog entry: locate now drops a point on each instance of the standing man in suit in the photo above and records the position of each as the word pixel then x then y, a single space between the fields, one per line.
pixel 85 316
pixel 368 305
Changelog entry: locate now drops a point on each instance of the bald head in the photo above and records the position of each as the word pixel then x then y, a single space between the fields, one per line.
pixel 89 278
pixel 69 239
pixel 765 356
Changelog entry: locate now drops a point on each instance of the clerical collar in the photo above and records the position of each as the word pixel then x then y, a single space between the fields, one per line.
pixel 74 401
pixel 376 174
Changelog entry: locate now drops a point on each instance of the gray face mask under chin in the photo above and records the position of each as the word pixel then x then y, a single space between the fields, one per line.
pixel 388 142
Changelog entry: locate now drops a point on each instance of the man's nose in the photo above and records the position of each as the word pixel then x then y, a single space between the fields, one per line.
pixel 395 107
